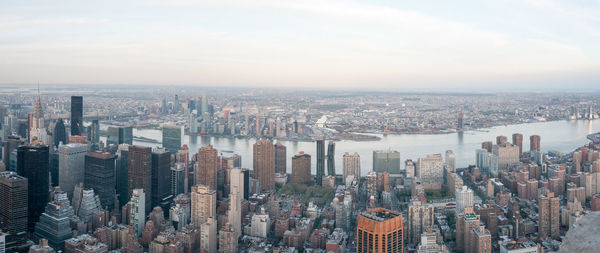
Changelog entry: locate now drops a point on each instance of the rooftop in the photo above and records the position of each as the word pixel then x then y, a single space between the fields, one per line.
pixel 380 214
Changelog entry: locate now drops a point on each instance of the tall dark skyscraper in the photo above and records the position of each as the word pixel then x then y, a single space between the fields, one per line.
pixel 32 163
pixel 280 158
pixel 161 172
pixel 122 174
pixel 76 115
pixel 100 176
pixel 140 171
pixel 13 210
pixel 331 158
pixel 59 133
pixel 320 161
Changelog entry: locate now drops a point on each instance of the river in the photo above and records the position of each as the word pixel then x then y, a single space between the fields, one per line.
pixel 563 136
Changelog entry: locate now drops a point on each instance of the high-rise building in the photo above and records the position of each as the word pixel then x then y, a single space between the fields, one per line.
pixel 208 236
pixel 122 174
pixel 59 133
pixel 420 218
pixel 372 185
pixel 85 203
pixel 280 158
pixel 54 224
pixel 183 156
pixel 450 161
pixel 120 135
pixel 534 143
pixel 465 223
pixel 331 158
pixel 94 134
pixel 239 178
pixel 171 137
pixel 351 166
pixel 8 146
pixel 228 240
pixel 71 164
pixel 207 167
pixel 549 216
pixel 320 161
pixel 13 210
pixel 100 176
pixel 204 205
pixel 76 115
pixel 460 123
pixel 260 224
pixel 386 161
pixel 409 166
pixel 487 145
pixel 140 172
pixel 235 211
pixel 486 161
pixel 430 170
pixel 137 213
pixel 301 168
pixel 37 129
pixel 177 179
pixel 481 240
pixel 264 164
pixel 517 140
pixel 379 230
pixel 464 199
pixel 501 139
pixel 507 154
pixel 32 163
pixel 161 170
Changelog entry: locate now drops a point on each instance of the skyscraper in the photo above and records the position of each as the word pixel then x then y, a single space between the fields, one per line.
pixel 420 218
pixel 264 164
pixel 300 168
pixel 501 139
pixel 465 223
pixel 549 216
pixel 13 210
pixel 120 135
pixel 386 161
pixel 450 161
pixel 204 205
pixel 171 137
pixel 54 224
pixel 161 170
pixel 320 161
pixel 331 158
pixel 140 172
pixel 517 140
pixel 464 199
pixel 235 211
pixel 207 167
pixel 76 115
pixel 280 158
pixel 59 133
pixel 460 123
pixel 351 166
pixel 32 163
pixel 71 164
pixel 239 178
pixel 534 143
pixel 94 134
pixel 379 230
pixel 137 214
pixel 122 174
pixel 431 169
pixel 507 154
pixel 100 176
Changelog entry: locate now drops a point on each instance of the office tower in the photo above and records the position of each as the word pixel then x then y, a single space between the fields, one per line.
pixel 430 170
pixel 386 161
pixel 100 176
pixel 13 210
pixel 379 230
pixel 549 216
pixel 501 139
pixel 54 224
pixel 460 123
pixel 137 213
pixel 235 211
pixel 76 115
pixel 94 135
pixel 264 164
pixel 464 199
pixel 120 135
pixel 37 128
pixel 450 161
pixel 320 161
pixel 59 133
pixel 85 203
pixel 203 105
pixel 260 224
pixel 32 163
pixel 208 235
pixel 534 143
pixel 171 137
pixel 71 164
pixel 8 145
pixel 122 174
pixel 517 140
pixel 140 172
pixel 204 205
pixel 228 240
pixel 183 156
pixel 240 178
pixel 420 218
pixel 507 154
pixel 331 158
pixel 207 167
pixel 161 171
pixel 372 185
pixel 486 161
pixel 487 145
pixel 409 166
pixel 301 169
pixel 351 166
pixel 280 158
pixel 465 223
pixel 177 179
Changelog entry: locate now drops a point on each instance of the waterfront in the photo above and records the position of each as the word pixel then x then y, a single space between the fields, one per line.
pixel 563 136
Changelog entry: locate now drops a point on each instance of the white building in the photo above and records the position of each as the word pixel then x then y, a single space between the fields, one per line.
pixel 260 224
pixel 464 198
pixel 137 217
pixel 486 161
pixel 430 169
pixel 235 211
pixel 208 235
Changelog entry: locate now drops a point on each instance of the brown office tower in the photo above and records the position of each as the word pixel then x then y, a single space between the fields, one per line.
pixel 465 223
pixel 264 164
pixel 487 145
pixel 207 167
pixel 301 168
pixel 140 171
pixel 481 240
pixel 534 143
pixel 518 141
pixel 280 158
pixel 501 139
pixel 13 210
pixel 549 216
pixel 379 230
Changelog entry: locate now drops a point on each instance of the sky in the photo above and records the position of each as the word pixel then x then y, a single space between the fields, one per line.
pixel 313 44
